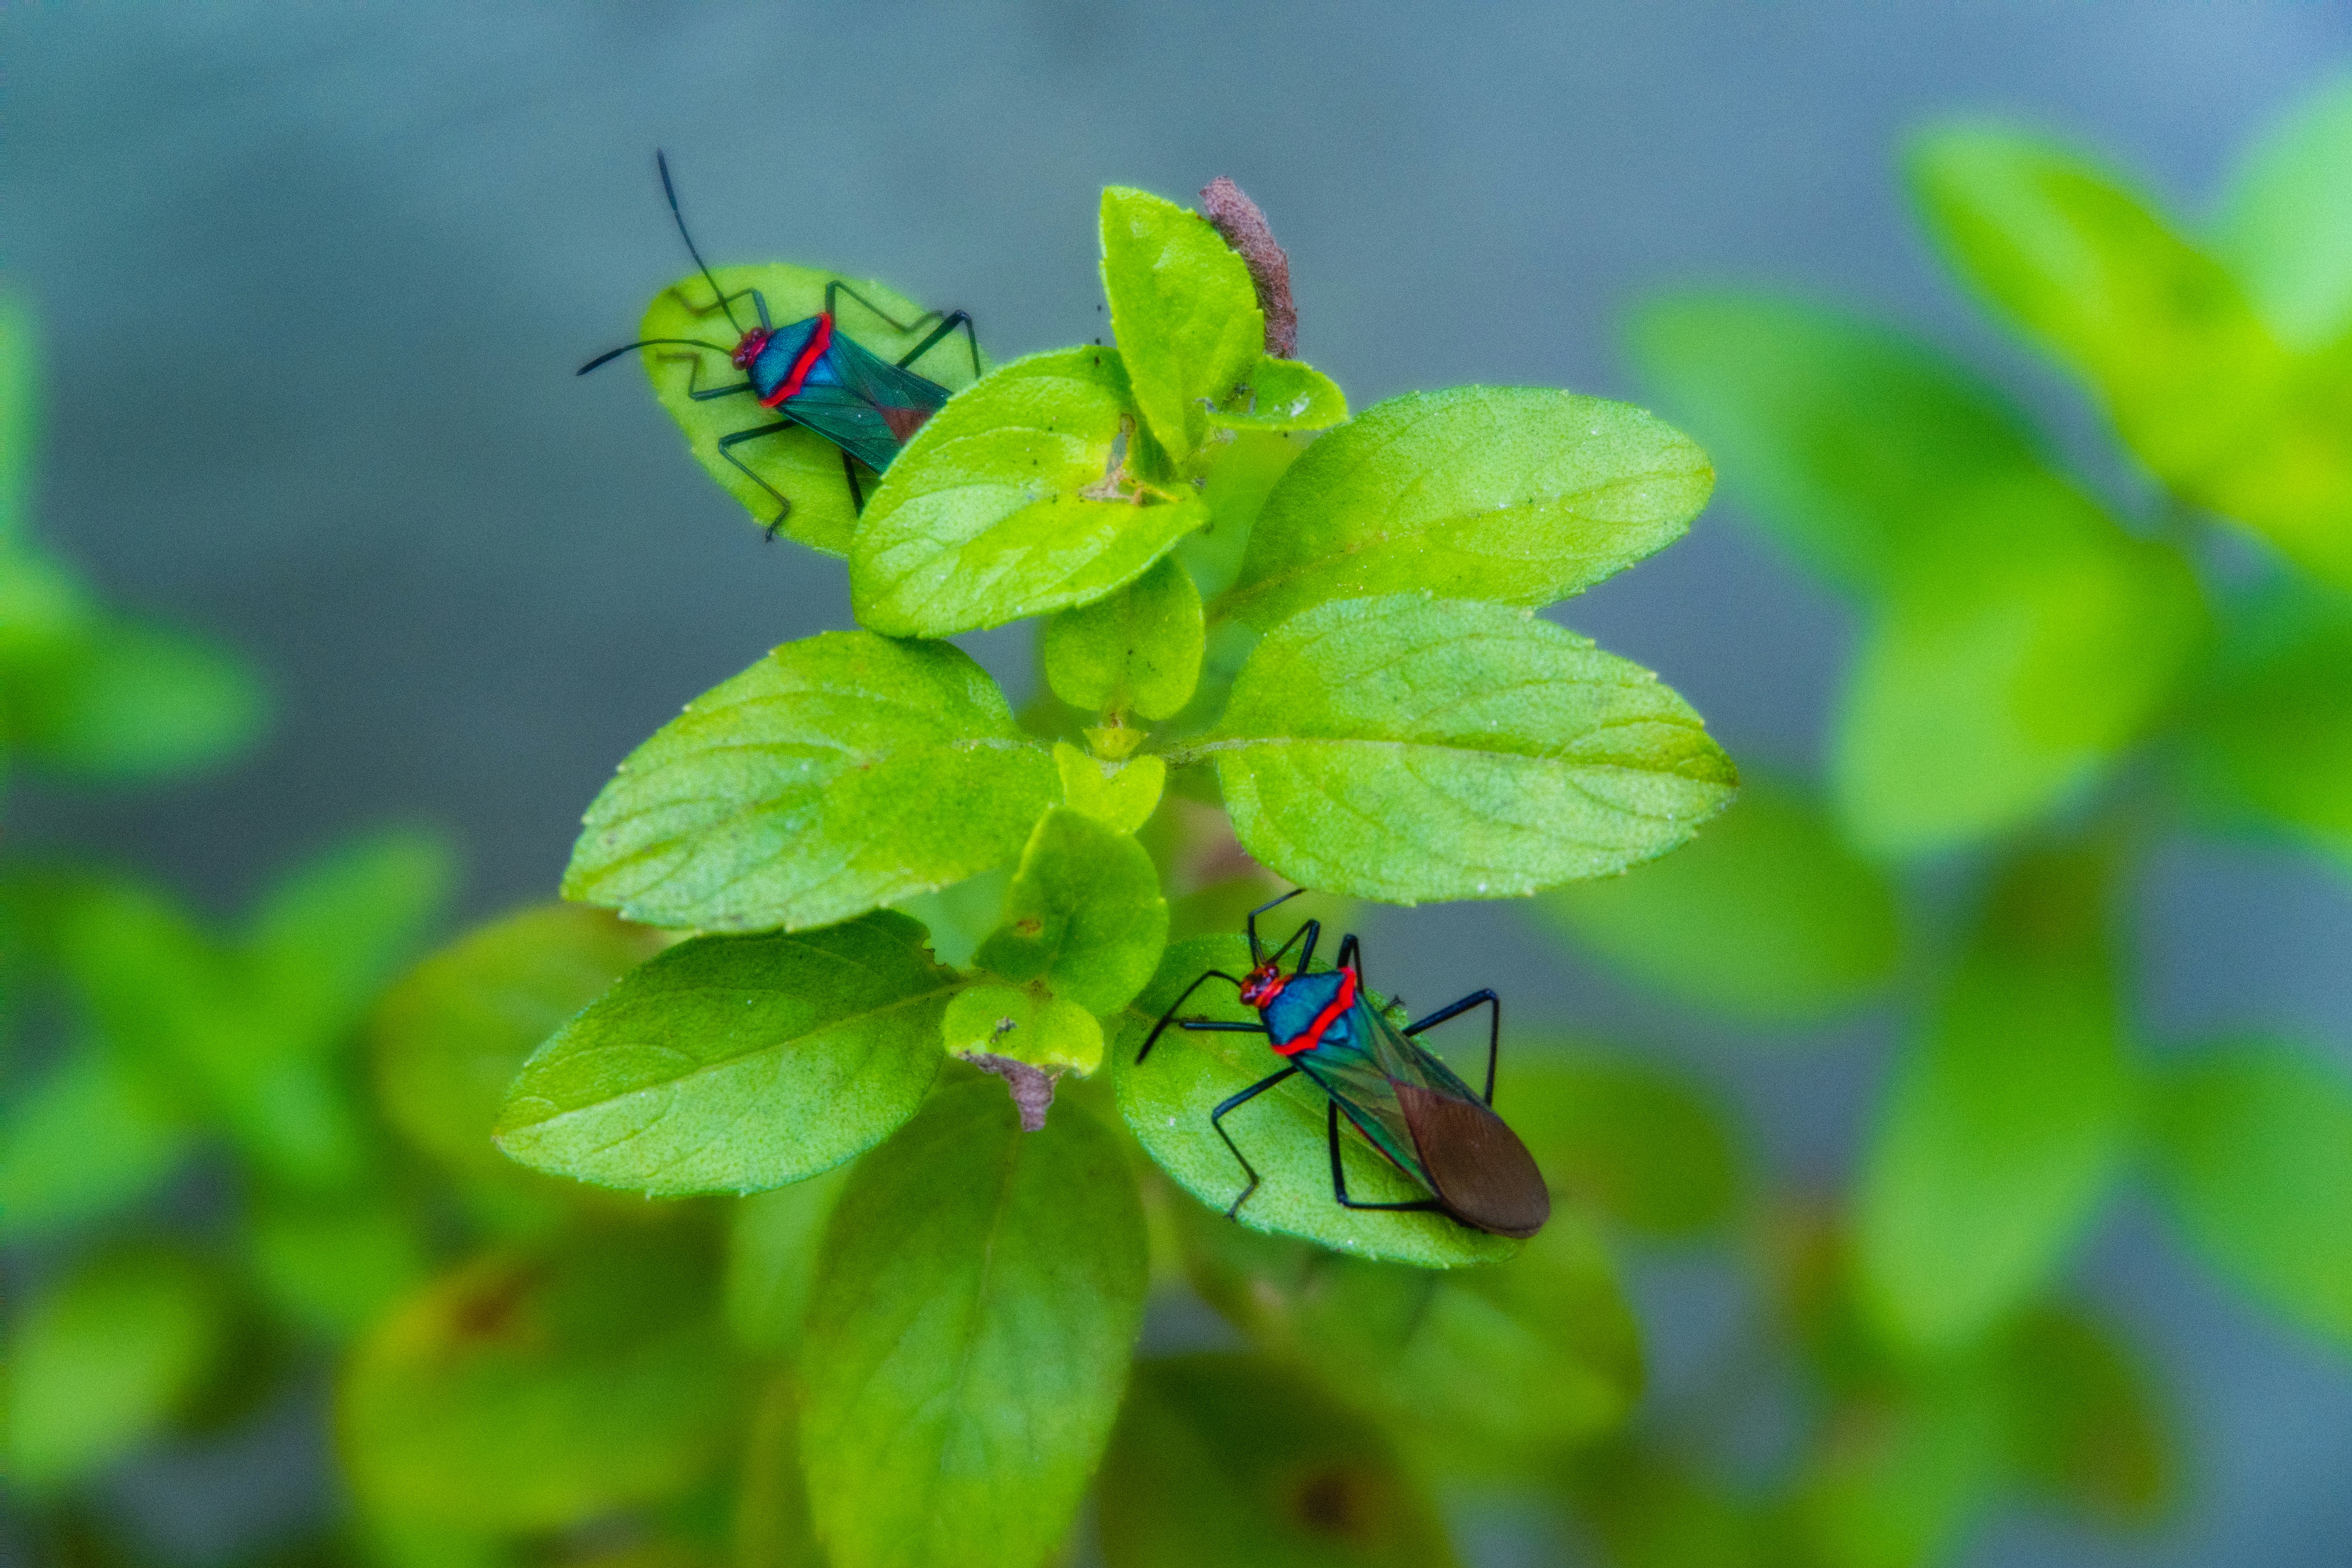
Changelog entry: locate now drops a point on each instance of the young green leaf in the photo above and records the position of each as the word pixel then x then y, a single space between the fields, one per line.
pixel 1843 439
pixel 2254 1148
pixel 975 1306
pixel 1903 1473
pixel 801 464
pixel 334 1265
pixel 450 1036
pixel 94 1134
pixel 1084 915
pixel 2006 1123
pixel 123 701
pixel 839 773
pixel 328 939
pixel 1523 495
pixel 1639 1146
pixel 1282 394
pixel 530 1391
pixel 2286 224
pixel 735 1064
pixel 1016 1023
pixel 1120 795
pixel 1409 749
pixel 1166 1101
pixel 1481 1371
pixel 104 1358
pixel 2086 1425
pixel 1249 464
pixel 2271 730
pixel 1766 916
pixel 2006 668
pixel 1137 650
pixel 1024 495
pixel 1232 1458
pixel 771 1248
pixel 1183 311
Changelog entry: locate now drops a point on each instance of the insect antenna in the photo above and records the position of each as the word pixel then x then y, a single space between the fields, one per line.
pixel 661 160
pixel 648 344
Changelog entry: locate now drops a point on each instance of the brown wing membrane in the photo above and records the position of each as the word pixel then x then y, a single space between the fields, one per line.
pixel 1477 1166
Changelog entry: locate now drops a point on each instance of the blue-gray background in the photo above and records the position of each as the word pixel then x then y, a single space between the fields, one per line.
pixel 315 281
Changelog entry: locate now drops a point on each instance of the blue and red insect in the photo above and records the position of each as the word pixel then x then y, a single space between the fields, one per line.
pixel 814 377
pixel 1405 1102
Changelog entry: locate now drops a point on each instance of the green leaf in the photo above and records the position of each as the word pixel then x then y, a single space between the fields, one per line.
pixel 977 1301
pixel 1137 650
pixel 2005 1124
pixel 1903 1474
pixel 771 1249
pixel 799 463
pixel 2196 384
pixel 2086 1425
pixel 450 1036
pixel 1024 495
pixel 329 939
pixel 1481 1373
pixel 960 917
pixel 2006 670
pixel 2272 732
pixel 531 1391
pixel 1015 1022
pixel 1637 1145
pixel 1183 311
pixel 1282 394
pixel 1120 795
pixel 1166 1101
pixel 1249 464
pixel 839 773
pixel 93 1135
pixel 1843 439
pixel 772 1527
pixel 2286 228
pixel 20 413
pixel 104 1359
pixel 1519 494
pixel 735 1064
pixel 1650 1510
pixel 123 701
pixel 1766 916
pixel 2253 1149
pixel 1084 914
pixel 1232 1458
pixel 334 1265
pixel 1408 749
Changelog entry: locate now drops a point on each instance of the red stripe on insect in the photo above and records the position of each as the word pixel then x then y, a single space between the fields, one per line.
pixel 819 340
pixel 1314 1033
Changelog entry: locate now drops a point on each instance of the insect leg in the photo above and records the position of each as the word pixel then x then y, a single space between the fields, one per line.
pixel 1340 1180
pixel 954 320
pixel 702 393
pixel 1153 1039
pixel 1350 955
pixel 1487 999
pixel 849 472
pixel 726 449
pixel 1257 950
pixel 1216 1119
pixel 948 322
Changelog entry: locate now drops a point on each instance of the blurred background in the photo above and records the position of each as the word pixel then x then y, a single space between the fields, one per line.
pixel 313 283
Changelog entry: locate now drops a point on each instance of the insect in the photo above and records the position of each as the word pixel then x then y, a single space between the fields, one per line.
pixel 813 375
pixel 1408 1104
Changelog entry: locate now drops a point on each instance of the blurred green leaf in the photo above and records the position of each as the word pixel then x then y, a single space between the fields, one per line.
pixel 328 939
pixel 1519 494
pixel 1282 394
pixel 1635 1144
pixel 1229 1458
pixel 1900 1476
pixel 334 1265
pixel 535 1390
pixel 2006 668
pixel 1120 795
pixel 104 1358
pixel 92 1135
pixel 1409 749
pixel 2254 1147
pixel 773 1525
pixel 977 1301
pixel 1767 915
pixel 735 1064
pixel 2286 228
pixel 801 464
pixel 1016 1023
pixel 448 1040
pixel 1084 914
pixel 2271 730
pixel 1137 650
pixel 2086 1428
pixel 1183 311
pixel 840 773
pixel 123 701
pixel 1024 495
pixel 1481 1373
pixel 771 1249
pixel 2004 1125
pixel 1166 1101
pixel 1652 1511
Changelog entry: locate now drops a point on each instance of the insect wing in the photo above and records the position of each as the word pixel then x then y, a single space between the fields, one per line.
pixel 1468 1156
pixel 848 420
pixel 903 399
